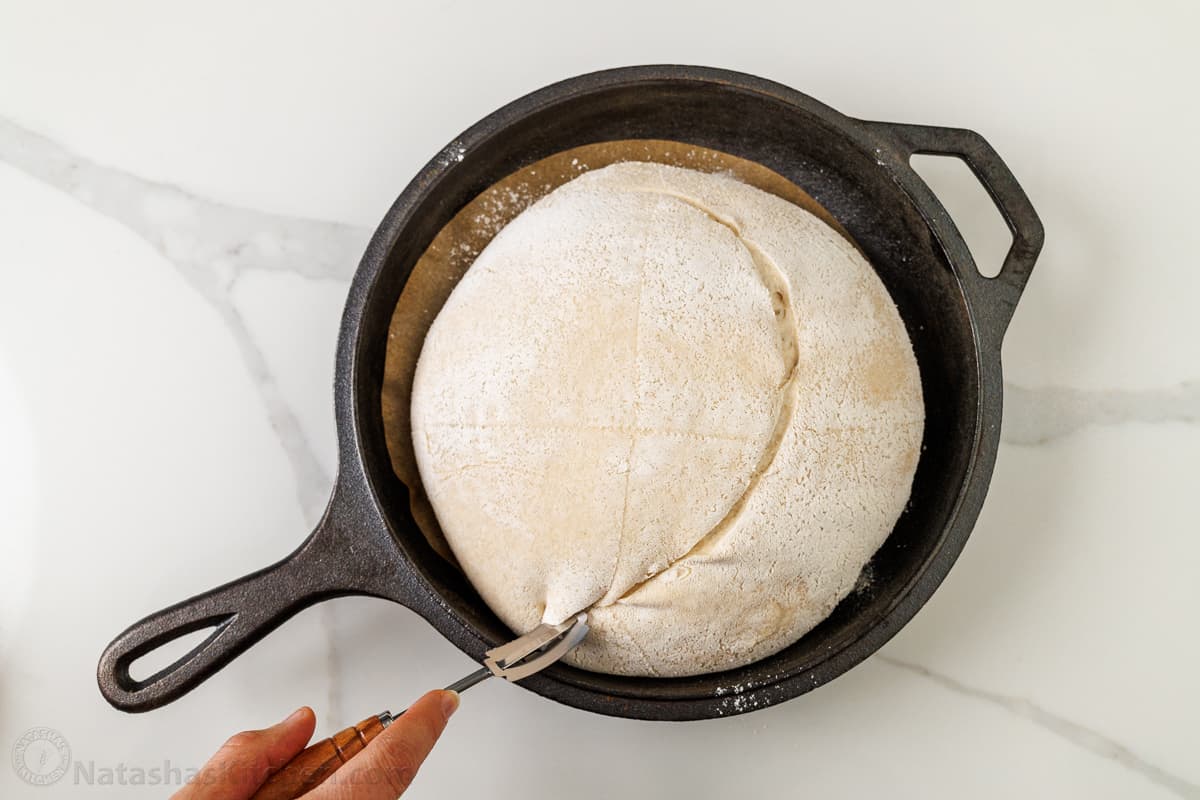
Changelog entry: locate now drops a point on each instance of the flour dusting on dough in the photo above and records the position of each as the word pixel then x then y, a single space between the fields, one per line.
pixel 672 399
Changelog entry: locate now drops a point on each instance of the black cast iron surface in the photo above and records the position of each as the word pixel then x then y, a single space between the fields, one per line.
pixel 367 542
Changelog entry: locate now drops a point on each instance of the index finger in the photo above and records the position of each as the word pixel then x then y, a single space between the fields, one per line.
pixel 239 768
pixel 386 767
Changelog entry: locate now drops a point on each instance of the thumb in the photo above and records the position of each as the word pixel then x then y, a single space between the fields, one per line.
pixel 387 766
pixel 243 763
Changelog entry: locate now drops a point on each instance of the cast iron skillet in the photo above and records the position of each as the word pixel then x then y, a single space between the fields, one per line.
pixel 367 542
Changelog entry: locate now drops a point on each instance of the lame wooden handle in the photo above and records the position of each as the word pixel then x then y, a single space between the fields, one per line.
pixel 318 761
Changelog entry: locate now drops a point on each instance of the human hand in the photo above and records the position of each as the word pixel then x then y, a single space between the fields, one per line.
pixel 382 771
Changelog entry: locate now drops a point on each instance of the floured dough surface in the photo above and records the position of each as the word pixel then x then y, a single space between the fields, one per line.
pixel 676 401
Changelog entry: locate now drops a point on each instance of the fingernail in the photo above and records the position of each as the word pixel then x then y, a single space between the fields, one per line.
pixel 295 715
pixel 449 703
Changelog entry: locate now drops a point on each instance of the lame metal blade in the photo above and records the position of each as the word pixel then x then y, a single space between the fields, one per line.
pixel 537 649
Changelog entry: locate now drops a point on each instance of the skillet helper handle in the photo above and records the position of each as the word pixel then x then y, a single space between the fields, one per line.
pixel 1008 196
pixel 313 765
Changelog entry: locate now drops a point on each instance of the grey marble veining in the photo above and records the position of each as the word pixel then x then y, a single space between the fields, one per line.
pixel 1042 415
pixel 211 245
pixel 1079 735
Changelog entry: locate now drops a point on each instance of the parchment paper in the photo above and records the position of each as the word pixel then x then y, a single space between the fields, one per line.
pixel 455 247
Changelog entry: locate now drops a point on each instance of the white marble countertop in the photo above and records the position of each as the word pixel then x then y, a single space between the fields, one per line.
pixel 184 195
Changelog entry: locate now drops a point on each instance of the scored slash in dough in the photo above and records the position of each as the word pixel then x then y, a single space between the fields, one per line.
pixel 675 401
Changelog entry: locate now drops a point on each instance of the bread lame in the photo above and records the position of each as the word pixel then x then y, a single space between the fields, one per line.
pixel 514 661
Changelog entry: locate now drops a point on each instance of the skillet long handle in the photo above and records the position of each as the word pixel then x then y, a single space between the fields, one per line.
pixel 337 559
pixel 313 765
pixel 236 615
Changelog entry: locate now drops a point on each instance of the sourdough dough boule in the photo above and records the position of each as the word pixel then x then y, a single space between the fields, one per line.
pixel 676 401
